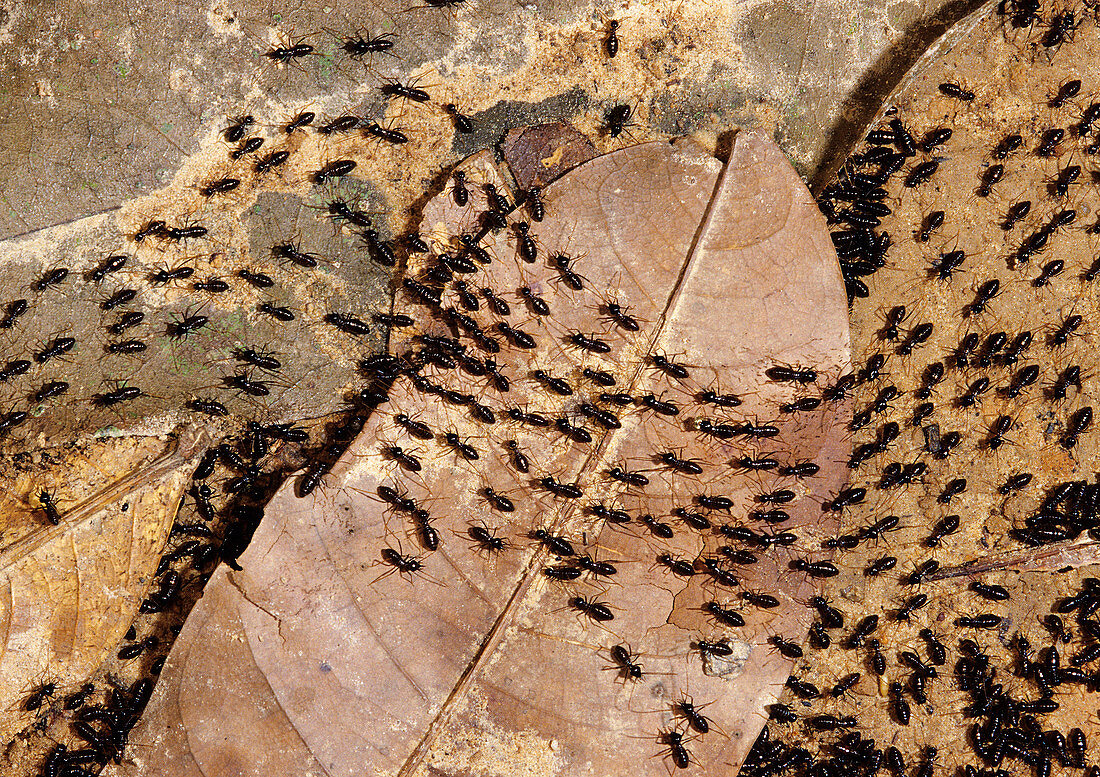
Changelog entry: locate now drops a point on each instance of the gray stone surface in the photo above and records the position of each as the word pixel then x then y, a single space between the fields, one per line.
pixel 101 102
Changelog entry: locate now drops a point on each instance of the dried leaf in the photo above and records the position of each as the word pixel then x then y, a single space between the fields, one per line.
pixel 321 656
pixel 70 591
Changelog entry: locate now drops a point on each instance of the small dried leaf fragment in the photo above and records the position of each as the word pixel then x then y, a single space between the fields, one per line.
pixel 537 155
pixel 349 645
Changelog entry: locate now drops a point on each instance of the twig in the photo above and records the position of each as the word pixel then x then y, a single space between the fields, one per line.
pixel 1047 558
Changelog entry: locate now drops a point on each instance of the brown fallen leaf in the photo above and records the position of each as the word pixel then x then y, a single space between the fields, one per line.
pixel 70 591
pixel 345 647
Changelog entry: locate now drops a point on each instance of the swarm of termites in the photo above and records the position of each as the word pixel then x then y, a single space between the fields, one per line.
pixel 945 638
pixel 185 321
pixel 963 636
